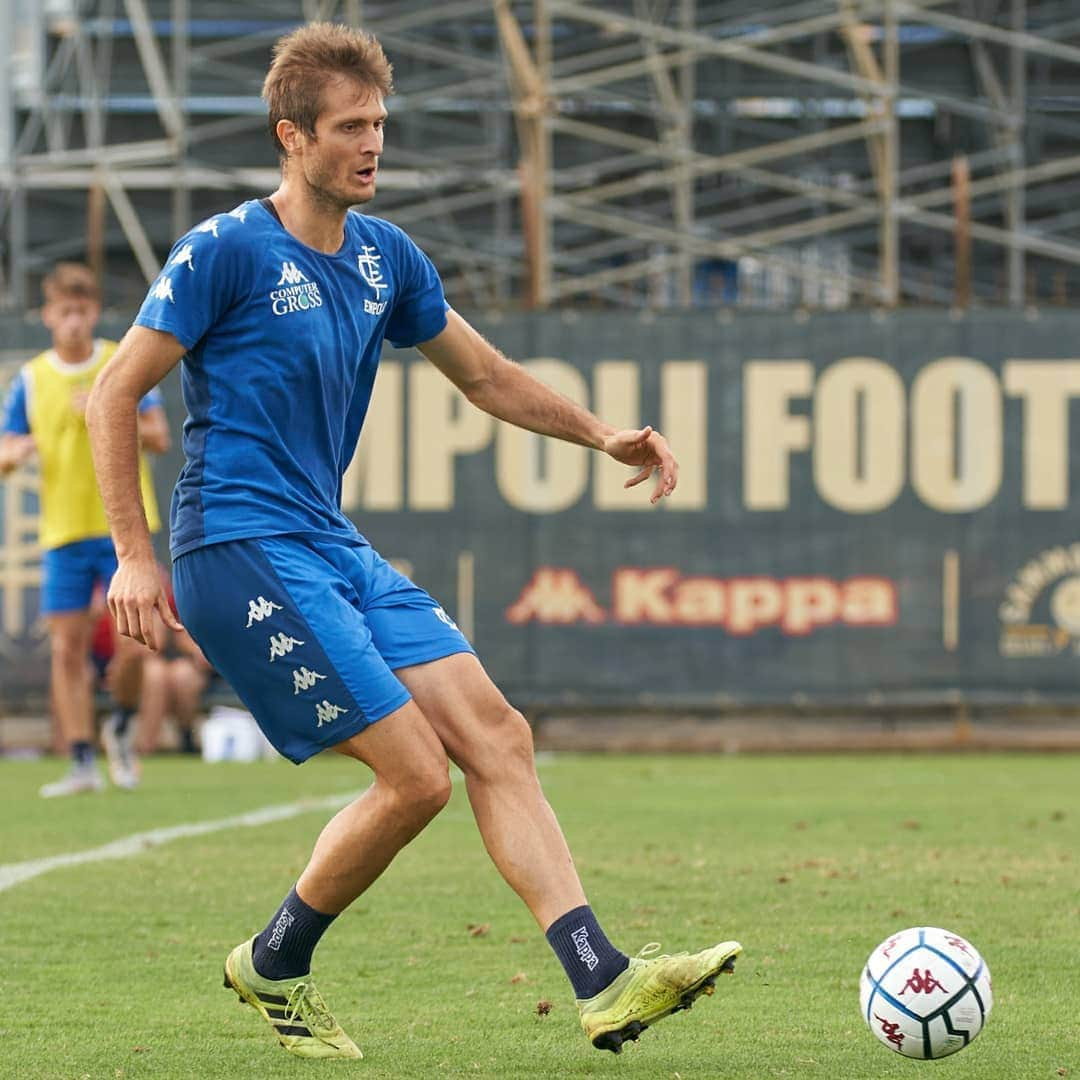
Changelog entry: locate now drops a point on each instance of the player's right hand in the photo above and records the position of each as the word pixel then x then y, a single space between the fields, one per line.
pixel 135 593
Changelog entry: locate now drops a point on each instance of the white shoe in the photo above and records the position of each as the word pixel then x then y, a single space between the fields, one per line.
pixel 120 751
pixel 80 779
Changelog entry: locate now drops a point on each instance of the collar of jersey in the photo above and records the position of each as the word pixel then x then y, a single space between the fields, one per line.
pixel 81 366
pixel 343 252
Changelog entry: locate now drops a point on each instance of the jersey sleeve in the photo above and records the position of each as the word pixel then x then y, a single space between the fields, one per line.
pixel 203 276
pixel 419 312
pixel 16 413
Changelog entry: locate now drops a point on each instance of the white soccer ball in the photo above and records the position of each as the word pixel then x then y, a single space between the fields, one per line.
pixel 925 992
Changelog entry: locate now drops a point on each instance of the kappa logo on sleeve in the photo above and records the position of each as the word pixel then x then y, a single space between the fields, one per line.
pixel 185 256
pixel 162 289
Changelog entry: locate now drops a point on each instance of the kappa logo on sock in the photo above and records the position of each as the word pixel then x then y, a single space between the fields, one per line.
pixel 277 935
pixel 580 939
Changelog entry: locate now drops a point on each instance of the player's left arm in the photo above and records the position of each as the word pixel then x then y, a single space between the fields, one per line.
pixel 507 391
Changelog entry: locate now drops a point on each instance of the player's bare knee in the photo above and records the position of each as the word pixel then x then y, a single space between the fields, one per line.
pixel 67 652
pixel 425 792
pixel 507 750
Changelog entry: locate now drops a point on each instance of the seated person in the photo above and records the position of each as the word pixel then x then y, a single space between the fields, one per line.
pixel 173 682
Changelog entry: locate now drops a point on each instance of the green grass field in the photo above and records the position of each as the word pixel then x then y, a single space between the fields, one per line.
pixel 112 969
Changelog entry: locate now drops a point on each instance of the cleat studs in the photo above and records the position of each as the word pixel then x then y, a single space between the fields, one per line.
pixel 610 1040
pixel 729 966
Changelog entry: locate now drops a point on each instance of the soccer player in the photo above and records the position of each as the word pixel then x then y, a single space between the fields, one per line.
pixel 44 414
pixel 278 310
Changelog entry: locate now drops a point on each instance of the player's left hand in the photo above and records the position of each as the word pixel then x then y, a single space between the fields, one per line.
pixel 648 449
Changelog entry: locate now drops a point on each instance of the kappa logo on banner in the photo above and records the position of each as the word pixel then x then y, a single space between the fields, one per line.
pixel 662 596
pixel 1040 615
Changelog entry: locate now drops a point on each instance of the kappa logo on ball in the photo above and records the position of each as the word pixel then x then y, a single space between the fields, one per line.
pixel 925 992
pixel 920 983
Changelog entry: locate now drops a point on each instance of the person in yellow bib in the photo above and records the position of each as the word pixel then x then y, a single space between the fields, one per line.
pixel 43 414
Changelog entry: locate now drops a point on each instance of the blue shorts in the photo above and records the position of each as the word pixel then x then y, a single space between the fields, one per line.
pixel 69 574
pixel 309 632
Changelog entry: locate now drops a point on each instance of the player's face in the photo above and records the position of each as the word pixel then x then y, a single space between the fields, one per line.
pixel 71 321
pixel 340 164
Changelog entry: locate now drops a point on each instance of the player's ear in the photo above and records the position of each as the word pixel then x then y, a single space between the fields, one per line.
pixel 289 135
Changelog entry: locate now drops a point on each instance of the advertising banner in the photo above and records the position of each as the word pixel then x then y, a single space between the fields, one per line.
pixel 871 509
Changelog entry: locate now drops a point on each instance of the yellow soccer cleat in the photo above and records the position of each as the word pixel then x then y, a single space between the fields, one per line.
pixel 292 1007
pixel 651 988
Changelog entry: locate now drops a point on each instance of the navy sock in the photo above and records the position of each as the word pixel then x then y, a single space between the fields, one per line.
pixel 283 950
pixel 82 752
pixel 590 960
pixel 121 719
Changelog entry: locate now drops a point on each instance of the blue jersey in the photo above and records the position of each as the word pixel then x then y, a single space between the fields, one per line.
pixel 283 343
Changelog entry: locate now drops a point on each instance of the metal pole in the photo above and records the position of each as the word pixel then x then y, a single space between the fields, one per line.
pixel 542 159
pixel 7 141
pixel 181 194
pixel 961 179
pixel 7 104
pixel 890 162
pixel 18 238
pixel 684 193
pixel 1014 199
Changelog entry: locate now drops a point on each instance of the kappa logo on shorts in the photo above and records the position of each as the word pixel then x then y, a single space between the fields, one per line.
pixel 326 713
pixel 304 679
pixel 282 645
pixel 260 608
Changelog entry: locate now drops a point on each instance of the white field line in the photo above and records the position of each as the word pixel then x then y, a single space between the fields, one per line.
pixel 12 874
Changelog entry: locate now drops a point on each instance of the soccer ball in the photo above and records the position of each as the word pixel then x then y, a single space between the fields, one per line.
pixel 925 992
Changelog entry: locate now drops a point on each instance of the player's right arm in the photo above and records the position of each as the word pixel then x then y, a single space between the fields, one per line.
pixel 14 450
pixel 143 358
pixel 16 443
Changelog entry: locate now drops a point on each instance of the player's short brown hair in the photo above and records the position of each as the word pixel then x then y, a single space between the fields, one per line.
pixel 70 280
pixel 305 60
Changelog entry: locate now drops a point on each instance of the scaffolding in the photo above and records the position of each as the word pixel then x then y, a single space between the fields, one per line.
pixel 642 153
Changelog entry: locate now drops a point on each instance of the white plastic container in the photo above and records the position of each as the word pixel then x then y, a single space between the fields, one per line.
pixel 232 735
